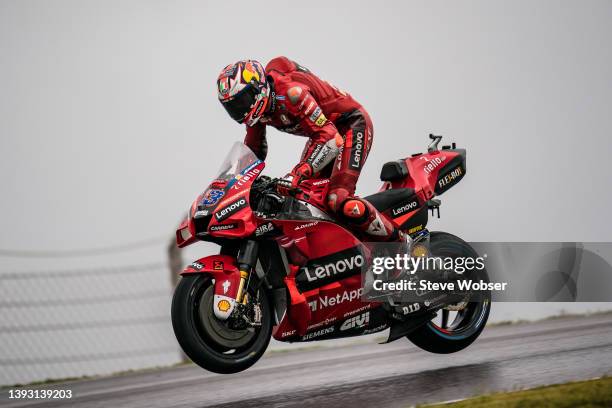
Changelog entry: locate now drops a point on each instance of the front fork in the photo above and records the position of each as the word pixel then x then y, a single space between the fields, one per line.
pixel 247 259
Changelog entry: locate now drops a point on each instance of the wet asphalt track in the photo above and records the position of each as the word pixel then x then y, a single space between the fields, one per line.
pixel 369 375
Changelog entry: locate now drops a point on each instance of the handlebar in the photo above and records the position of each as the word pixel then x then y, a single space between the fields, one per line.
pixel 268 184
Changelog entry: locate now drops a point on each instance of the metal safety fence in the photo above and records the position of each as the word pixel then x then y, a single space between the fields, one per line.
pixel 82 322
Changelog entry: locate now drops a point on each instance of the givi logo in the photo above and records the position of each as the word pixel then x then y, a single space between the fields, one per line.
pixel 356 322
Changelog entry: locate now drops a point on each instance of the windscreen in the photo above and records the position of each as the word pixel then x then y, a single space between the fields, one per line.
pixel 239 158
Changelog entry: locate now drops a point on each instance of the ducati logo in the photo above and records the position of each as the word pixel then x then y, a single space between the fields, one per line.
pixel 226 286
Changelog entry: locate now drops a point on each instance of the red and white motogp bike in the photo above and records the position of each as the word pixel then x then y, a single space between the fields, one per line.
pixel 288 269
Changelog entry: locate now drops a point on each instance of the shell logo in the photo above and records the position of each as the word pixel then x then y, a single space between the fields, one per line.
pixel 223 305
pixel 419 251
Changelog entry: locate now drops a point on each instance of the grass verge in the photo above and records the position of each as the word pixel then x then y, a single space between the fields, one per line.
pixel 585 394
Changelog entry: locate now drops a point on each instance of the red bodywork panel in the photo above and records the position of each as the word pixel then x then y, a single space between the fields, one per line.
pixel 323 281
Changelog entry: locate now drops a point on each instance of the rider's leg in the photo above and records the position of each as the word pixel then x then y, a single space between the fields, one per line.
pixel 358 213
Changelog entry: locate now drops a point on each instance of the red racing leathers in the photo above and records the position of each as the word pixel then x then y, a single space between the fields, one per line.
pixel 339 132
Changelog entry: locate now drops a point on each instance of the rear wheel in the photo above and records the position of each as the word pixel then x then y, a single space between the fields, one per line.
pixel 456 326
pixel 220 346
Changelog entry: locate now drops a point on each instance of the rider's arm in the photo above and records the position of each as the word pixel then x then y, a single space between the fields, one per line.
pixel 255 139
pixel 324 139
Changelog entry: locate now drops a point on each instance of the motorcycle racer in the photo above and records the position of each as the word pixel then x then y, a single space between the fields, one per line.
pixel 292 99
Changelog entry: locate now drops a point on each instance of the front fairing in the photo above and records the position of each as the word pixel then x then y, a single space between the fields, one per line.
pixel 223 209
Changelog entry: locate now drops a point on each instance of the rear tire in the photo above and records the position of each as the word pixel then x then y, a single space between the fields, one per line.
pixel 469 322
pixel 209 342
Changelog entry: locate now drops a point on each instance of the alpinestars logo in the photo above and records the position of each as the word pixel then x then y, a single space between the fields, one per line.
pixel 322 271
pixel 356 322
pixel 357 151
pixel 231 209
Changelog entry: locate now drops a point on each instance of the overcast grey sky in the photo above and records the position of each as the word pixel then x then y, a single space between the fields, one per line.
pixel 109 123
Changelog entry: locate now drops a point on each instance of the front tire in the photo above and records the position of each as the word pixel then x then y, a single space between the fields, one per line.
pixel 210 343
pixel 445 334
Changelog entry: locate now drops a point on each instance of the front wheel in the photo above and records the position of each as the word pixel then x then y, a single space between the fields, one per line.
pixel 220 346
pixel 456 326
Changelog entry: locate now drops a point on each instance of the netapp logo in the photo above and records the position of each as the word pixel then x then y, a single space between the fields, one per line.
pixel 334 267
pixel 328 301
pixel 357 151
pixel 396 212
pixel 231 209
pixel 356 322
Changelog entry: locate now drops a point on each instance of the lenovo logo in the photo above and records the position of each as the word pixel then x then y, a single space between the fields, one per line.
pixel 231 209
pixel 334 268
pixel 396 212
pixel 321 271
pixel 357 151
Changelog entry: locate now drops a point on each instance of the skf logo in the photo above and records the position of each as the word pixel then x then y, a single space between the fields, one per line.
pixel 217 265
pixel 356 322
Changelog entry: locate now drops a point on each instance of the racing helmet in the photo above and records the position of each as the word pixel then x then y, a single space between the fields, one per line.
pixel 244 91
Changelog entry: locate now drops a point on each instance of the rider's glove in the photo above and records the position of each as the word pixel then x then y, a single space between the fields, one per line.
pixel 291 181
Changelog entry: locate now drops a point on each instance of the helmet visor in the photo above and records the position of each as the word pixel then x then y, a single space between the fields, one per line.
pixel 240 105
